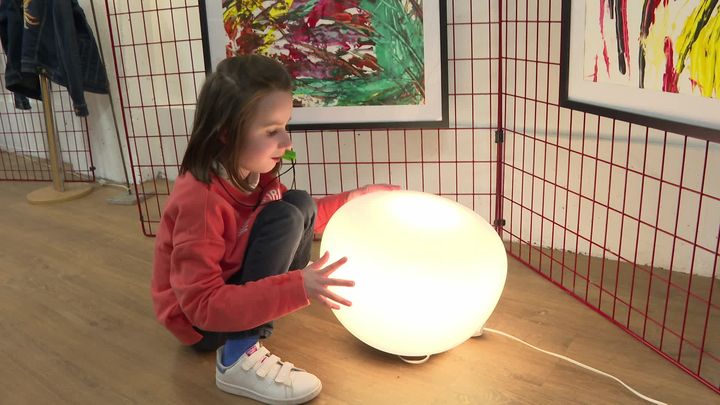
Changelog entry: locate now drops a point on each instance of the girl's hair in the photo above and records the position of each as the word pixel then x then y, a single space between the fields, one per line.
pixel 227 102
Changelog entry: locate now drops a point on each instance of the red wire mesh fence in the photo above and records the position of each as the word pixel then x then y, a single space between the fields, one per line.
pixel 23 139
pixel 622 217
pixel 158 62
pixel 159 65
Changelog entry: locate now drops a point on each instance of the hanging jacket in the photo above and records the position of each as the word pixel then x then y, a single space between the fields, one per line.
pixel 50 37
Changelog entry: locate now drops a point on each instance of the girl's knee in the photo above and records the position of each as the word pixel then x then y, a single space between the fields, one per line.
pixel 284 213
pixel 302 200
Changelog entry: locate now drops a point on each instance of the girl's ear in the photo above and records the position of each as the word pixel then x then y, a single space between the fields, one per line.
pixel 223 136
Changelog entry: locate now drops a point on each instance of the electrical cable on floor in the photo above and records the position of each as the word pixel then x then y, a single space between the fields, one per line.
pixel 577 363
pixel 105 183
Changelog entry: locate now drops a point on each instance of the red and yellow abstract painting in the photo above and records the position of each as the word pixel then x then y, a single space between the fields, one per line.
pixel 671 46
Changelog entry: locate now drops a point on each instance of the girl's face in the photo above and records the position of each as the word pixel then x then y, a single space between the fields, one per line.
pixel 267 139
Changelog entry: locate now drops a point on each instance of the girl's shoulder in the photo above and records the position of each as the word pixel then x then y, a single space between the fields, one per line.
pixel 196 209
pixel 192 194
pixel 187 184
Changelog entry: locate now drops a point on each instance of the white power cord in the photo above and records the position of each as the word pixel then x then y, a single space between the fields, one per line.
pixel 106 183
pixel 577 363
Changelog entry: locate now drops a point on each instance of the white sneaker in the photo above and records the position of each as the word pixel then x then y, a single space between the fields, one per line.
pixel 262 376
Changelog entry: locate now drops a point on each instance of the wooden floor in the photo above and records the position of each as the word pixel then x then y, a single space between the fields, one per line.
pixel 76 327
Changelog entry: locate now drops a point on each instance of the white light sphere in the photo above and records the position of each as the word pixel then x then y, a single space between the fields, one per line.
pixel 428 271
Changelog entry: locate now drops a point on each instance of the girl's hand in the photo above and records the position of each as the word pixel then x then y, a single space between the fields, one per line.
pixel 317 279
pixel 371 189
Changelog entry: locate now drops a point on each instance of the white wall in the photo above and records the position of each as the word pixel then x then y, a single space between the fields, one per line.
pixel 153 71
pixel 599 192
pixel 108 149
pixel 608 167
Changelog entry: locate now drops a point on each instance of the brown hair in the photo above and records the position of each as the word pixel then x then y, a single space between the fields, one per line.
pixel 227 102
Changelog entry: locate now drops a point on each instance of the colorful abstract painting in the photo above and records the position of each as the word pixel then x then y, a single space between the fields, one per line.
pixel 340 52
pixel 664 45
pixel 650 62
pixel 355 63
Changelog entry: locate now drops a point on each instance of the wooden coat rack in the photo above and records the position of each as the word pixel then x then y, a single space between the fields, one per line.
pixel 59 191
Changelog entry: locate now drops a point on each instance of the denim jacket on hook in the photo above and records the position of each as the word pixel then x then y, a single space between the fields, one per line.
pixel 50 37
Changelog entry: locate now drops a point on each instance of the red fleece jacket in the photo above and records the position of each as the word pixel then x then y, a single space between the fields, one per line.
pixel 201 242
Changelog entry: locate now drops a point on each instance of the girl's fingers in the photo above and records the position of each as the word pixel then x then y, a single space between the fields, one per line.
pixel 340 300
pixel 329 303
pixel 382 187
pixel 330 269
pixel 322 260
pixel 339 282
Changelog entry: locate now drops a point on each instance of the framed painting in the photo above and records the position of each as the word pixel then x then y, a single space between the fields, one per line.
pixel 651 62
pixel 355 63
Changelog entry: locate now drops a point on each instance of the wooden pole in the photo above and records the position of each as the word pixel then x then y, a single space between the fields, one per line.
pixel 57 174
pixel 59 191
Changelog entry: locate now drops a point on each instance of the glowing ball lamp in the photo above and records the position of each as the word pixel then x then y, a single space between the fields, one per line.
pixel 428 271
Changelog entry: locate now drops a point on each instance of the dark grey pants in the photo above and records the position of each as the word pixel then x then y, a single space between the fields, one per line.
pixel 280 240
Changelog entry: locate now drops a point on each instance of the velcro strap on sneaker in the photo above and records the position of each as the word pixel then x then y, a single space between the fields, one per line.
pixel 283 376
pixel 268 365
pixel 254 358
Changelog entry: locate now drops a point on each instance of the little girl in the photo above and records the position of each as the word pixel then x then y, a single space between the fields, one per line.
pixel 231 234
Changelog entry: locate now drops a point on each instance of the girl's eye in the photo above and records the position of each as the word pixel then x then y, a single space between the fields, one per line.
pixel 277 131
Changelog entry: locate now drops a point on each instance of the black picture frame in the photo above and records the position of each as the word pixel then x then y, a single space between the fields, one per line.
pixel 434 113
pixel 592 98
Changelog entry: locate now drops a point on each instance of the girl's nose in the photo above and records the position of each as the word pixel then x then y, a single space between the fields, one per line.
pixel 286 141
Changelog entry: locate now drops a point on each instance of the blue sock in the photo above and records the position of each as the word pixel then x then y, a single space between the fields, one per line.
pixel 236 347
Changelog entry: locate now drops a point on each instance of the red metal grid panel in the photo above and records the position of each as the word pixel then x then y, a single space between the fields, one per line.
pixel 157 53
pixel 159 64
pixel 23 140
pixel 623 217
